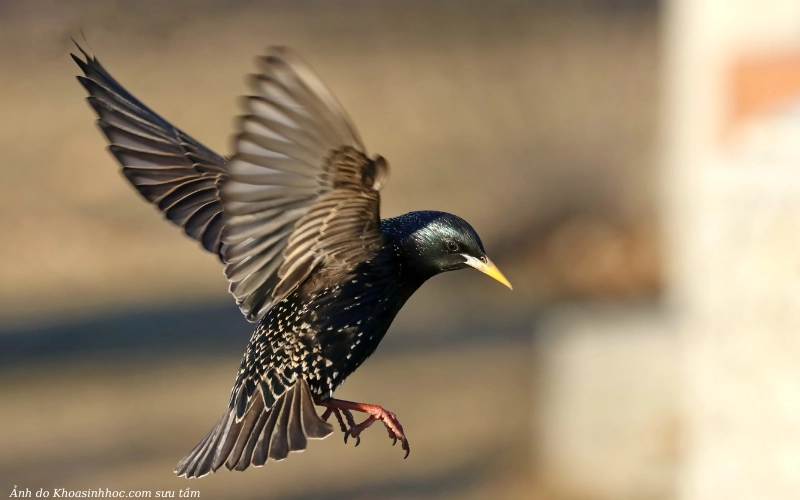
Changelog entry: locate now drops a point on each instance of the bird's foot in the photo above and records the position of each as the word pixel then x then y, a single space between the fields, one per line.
pixel 340 407
pixel 351 422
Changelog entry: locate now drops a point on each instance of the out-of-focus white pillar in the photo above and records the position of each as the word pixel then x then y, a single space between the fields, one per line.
pixel 732 217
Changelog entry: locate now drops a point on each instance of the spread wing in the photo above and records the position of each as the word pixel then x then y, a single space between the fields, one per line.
pixel 171 170
pixel 301 191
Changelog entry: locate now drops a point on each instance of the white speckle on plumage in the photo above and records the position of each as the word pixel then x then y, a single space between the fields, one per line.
pixel 296 337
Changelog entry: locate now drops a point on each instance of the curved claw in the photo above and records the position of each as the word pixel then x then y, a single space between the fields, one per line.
pixel 376 413
pixel 349 433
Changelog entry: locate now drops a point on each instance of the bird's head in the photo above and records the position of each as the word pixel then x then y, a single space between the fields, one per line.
pixel 436 242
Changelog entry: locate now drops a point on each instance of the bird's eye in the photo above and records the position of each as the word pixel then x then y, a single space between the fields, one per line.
pixel 452 246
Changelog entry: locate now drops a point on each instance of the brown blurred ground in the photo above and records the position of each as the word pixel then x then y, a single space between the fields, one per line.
pixel 533 122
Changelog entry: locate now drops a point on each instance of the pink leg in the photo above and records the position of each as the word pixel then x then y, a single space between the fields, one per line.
pixel 375 412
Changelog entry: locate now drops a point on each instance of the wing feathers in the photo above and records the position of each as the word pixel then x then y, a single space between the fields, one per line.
pixel 296 148
pixel 298 191
pixel 158 158
pixel 126 137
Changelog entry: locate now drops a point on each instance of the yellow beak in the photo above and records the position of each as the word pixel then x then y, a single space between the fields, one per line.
pixel 488 268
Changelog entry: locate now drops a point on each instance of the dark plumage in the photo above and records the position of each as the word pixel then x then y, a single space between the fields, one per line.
pixel 294 217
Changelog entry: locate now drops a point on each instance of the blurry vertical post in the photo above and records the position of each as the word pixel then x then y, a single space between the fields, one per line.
pixel 732 213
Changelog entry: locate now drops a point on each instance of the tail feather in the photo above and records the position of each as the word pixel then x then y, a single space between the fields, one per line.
pixel 250 426
pixel 296 438
pixel 189 464
pixel 229 439
pixel 261 434
pixel 261 452
pixel 242 462
pixel 199 460
pixel 279 444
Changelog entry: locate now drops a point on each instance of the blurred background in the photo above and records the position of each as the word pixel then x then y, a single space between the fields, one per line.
pixel 631 166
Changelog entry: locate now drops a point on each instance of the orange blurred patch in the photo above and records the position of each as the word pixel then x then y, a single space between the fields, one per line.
pixel 759 84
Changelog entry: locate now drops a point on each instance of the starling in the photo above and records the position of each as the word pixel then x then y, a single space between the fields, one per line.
pixel 293 216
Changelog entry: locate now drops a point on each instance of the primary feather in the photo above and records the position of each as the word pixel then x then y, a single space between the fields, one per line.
pixel 298 187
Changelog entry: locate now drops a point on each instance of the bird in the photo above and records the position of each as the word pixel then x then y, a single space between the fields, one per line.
pixel 294 218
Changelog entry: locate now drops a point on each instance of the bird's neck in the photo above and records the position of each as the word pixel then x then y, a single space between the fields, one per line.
pixel 414 270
